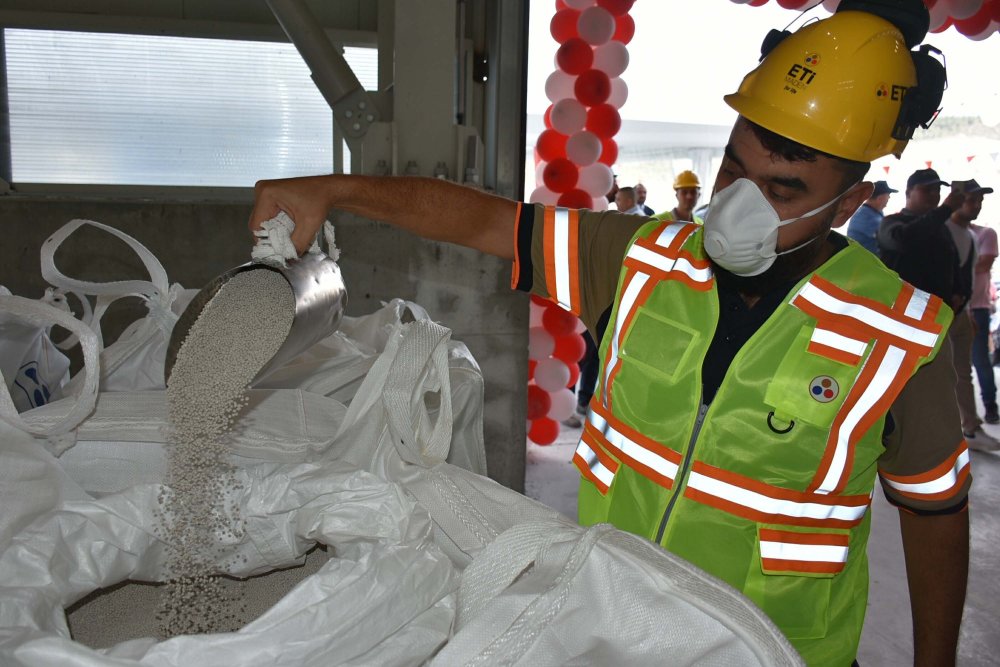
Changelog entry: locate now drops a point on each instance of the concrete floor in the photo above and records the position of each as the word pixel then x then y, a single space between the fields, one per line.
pixel 887 637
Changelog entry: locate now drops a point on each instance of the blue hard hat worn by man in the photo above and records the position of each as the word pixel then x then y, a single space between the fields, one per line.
pixel 758 374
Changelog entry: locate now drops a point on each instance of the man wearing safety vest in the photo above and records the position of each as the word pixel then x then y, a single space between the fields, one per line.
pixel 687 189
pixel 759 373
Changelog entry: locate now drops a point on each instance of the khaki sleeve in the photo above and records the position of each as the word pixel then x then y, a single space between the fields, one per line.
pixel 601 241
pixel 925 466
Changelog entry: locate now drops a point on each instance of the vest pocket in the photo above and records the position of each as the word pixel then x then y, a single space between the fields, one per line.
pixel 792 575
pixel 809 387
pixel 658 344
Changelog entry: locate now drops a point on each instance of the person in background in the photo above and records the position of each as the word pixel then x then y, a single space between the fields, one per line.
pixel 760 374
pixel 916 243
pixel 982 304
pixel 614 189
pixel 687 189
pixel 863 225
pixel 640 199
pixel 625 201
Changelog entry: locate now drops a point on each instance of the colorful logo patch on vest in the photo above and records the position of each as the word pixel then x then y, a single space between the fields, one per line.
pixel 824 388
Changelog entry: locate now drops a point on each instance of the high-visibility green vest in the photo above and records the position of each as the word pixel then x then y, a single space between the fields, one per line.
pixel 768 487
pixel 668 216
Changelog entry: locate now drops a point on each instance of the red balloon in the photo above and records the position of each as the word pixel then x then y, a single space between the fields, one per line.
pixel 547 117
pixel 570 349
pixel 624 29
pixel 948 22
pixel 551 145
pixel 558 322
pixel 592 87
pixel 930 3
pixel 995 10
pixel 791 4
pixel 616 7
pixel 574 375
pixel 575 199
pixel 563 25
pixel 603 120
pixel 757 3
pixel 561 5
pixel 575 56
pixel 609 152
pixel 560 175
pixel 539 402
pixel 976 23
pixel 543 431
pixel 531 367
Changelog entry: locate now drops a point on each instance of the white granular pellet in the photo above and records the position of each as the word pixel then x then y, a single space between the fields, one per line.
pixel 235 335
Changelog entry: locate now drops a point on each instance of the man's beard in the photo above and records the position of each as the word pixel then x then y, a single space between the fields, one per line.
pixel 788 268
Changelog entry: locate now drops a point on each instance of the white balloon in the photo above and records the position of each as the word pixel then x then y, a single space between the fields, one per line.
pixel 596 179
pixel 552 374
pixel 580 326
pixel 559 86
pixel 535 313
pixel 563 404
pixel 539 170
pixel 540 345
pixel 583 148
pixel 596 25
pixel 542 195
pixel 740 2
pixel 990 29
pixel 579 4
pixel 939 14
pixel 962 9
pixel 568 116
pixel 831 5
pixel 600 204
pixel 611 58
pixel 619 93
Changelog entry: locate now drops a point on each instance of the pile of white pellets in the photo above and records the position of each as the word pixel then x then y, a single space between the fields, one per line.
pixel 236 334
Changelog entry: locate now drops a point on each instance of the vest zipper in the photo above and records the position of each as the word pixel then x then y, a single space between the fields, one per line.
pixel 682 472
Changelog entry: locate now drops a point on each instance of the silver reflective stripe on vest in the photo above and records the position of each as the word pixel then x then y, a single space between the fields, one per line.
pixel 872 318
pixel 779 507
pixel 625 307
pixel 600 471
pixel 888 370
pixel 628 447
pixel 816 553
pixel 560 232
pixel 839 342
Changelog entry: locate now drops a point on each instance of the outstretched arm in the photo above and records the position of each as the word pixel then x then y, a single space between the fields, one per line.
pixel 937 568
pixel 432 208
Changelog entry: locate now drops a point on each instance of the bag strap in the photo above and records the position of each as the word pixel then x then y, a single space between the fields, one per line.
pixel 42 315
pixel 156 290
pixel 414 361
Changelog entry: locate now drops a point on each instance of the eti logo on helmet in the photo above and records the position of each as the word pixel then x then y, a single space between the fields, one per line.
pixel 896 93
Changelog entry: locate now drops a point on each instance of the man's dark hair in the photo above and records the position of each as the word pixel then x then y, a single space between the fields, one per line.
pixel 793 151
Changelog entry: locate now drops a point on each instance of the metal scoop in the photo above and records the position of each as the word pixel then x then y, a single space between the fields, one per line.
pixel 320 300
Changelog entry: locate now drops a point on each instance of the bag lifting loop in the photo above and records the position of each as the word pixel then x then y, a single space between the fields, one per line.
pixel 770 425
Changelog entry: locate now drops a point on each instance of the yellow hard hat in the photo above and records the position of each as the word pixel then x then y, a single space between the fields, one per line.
pixel 835 85
pixel 686 179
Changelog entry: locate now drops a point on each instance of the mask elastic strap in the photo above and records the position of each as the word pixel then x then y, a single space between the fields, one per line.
pixel 813 212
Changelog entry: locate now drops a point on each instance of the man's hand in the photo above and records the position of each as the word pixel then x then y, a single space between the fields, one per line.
pixel 303 199
pixel 954 200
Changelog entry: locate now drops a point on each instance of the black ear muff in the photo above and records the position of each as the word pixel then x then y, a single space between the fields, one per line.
pixel 922 102
pixel 771 40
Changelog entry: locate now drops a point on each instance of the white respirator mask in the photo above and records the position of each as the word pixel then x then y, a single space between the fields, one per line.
pixel 741 228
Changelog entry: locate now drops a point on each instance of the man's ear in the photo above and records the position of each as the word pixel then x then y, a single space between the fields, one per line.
pixel 851 201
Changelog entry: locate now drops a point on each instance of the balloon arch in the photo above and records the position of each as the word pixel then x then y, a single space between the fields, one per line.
pixel 573 158
pixel 976 19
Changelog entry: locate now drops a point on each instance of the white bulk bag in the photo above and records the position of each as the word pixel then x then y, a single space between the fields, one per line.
pixel 123 441
pixel 550 593
pixel 386 597
pixel 135 360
